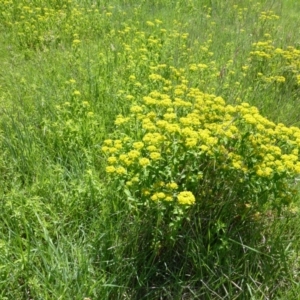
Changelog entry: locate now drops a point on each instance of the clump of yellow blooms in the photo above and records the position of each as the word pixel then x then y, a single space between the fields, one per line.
pixel 186 198
pixel 279 65
pixel 179 144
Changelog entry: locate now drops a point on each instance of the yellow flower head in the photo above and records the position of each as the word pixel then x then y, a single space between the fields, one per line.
pixel 154 197
pixel 172 186
pixel 138 145
pixel 136 109
pixel 105 149
pixel 112 160
pixel 120 170
pixel 133 154
pixel 110 169
pixel 161 195
pixel 76 93
pixel 186 198
pixel 121 120
pixel 151 148
pixel 146 192
pixel 155 155
pixel 144 161
pixel 168 198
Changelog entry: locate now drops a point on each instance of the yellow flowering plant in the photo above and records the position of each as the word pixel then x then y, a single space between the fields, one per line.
pixel 187 153
pixel 274 71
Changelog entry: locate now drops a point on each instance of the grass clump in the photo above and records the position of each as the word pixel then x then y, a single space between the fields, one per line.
pixel 183 156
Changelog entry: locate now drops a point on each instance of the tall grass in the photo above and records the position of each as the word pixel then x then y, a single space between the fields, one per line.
pixel 69 230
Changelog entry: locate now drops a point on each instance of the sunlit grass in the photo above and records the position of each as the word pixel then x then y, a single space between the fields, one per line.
pixel 131 167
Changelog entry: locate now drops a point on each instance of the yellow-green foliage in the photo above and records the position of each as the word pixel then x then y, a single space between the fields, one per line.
pixel 75 126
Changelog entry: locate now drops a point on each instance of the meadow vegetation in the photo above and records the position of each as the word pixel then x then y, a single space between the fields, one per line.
pixel 149 149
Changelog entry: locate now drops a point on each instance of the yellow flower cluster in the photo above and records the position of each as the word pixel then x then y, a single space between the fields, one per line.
pixel 178 134
pixel 278 61
pixel 268 15
pixel 186 198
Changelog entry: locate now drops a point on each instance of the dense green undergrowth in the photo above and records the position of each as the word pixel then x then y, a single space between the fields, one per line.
pixel 149 150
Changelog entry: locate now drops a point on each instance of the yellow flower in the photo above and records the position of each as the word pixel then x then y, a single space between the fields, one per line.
pixel 170 116
pixel 76 93
pixel 178 92
pixel 110 169
pixel 118 144
pixel 151 148
pixel 191 142
pixel 155 155
pixel 161 195
pixel 149 23
pixel 172 186
pixel 146 192
pixel 148 125
pixel 260 172
pixel 151 115
pixel 154 197
pixel 135 179
pixel 172 128
pixel 144 161
pixel 250 119
pixel 168 198
pixel 204 148
pixel 186 198
pixel 153 138
pixel 121 120
pixel 121 170
pixel 297 168
pixel 136 109
pixel 123 157
pixel 112 160
pixel 112 150
pixel 138 145
pixel 128 161
pixel 161 123
pixel 158 196
pixel 155 77
pixel 193 67
pixel 237 164
pixel 105 149
pixel 133 154
pixel 279 79
pixel 265 172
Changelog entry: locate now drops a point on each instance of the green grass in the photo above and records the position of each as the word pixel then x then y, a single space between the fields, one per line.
pixel 66 230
